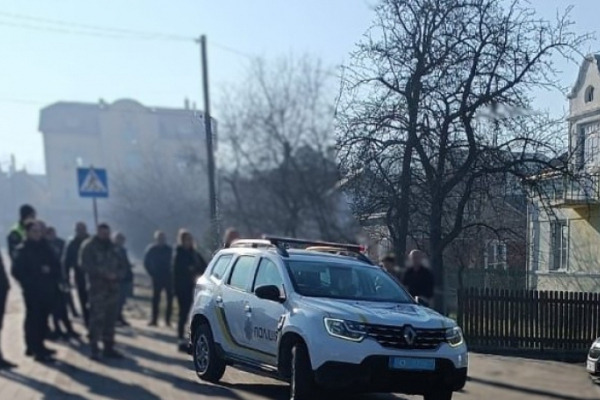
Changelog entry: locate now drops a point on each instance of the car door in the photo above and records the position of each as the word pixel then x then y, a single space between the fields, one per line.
pixel 266 314
pixel 233 305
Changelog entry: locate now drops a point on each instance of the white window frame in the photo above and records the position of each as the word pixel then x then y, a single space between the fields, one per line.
pixel 560 244
pixel 495 259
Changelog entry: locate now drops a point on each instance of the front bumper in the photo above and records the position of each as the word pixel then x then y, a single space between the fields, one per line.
pixel 593 367
pixel 374 375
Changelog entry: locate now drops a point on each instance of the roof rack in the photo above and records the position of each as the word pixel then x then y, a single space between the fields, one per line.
pixel 315 245
pixel 259 243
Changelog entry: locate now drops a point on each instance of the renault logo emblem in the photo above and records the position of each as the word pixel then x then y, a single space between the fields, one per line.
pixel 410 335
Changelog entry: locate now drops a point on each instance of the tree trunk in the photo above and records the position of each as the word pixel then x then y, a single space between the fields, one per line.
pixel 436 252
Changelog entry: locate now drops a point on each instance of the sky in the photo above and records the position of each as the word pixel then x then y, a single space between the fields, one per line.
pixel 41 62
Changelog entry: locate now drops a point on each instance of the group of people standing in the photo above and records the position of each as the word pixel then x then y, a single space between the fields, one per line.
pixel 175 271
pixel 42 265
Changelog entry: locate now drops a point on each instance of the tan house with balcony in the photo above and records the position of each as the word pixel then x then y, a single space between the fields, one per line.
pixel 122 137
pixel 564 228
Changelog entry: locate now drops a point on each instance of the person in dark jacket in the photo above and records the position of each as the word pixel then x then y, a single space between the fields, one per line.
pixel 157 262
pixel 60 314
pixel 188 265
pixel 17 234
pixel 127 283
pixel 37 269
pixel 418 278
pixel 4 288
pixel 71 262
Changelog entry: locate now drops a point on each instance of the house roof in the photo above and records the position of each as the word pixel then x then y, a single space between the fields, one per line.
pixel 84 118
pixel 587 61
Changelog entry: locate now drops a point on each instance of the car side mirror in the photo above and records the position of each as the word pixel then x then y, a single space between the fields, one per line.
pixel 422 302
pixel 269 292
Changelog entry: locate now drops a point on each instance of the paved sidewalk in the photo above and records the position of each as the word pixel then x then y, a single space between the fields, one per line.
pixel 154 370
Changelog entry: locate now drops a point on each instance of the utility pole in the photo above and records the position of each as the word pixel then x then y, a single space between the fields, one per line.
pixel 209 145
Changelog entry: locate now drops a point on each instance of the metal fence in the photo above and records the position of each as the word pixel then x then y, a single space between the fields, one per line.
pixel 550 324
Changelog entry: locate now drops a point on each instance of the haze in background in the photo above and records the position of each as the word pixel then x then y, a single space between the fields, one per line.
pixel 45 62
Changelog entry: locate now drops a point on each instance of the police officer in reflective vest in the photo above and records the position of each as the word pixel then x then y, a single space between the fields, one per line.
pixel 17 234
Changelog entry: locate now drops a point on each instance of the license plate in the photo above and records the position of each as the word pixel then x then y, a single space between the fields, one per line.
pixel 591 366
pixel 412 364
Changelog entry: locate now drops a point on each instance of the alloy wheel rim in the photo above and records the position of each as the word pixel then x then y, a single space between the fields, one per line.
pixel 202 354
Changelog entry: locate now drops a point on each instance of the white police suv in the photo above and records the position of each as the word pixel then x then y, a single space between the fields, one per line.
pixel 326 321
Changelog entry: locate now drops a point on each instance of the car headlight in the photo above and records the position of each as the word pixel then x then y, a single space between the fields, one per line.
pixel 348 330
pixel 454 336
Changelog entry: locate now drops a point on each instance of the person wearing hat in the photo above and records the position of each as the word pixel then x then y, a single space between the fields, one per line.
pixel 17 234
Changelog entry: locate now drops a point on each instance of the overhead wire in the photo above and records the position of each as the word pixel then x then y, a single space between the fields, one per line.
pixel 76 29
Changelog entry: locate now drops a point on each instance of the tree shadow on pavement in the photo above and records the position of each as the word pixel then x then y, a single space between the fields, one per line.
pixel 151 334
pixel 103 385
pixel 153 356
pixel 527 390
pixel 50 392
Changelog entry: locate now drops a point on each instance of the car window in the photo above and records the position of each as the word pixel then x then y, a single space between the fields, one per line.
pixel 345 281
pixel 267 274
pixel 218 271
pixel 242 272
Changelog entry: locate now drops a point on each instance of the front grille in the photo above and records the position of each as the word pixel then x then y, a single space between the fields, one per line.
pixel 595 353
pixel 393 337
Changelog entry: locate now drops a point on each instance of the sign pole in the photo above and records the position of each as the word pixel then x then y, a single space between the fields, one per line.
pixel 95 212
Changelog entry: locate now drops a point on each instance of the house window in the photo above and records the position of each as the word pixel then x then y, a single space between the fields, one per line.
pixel 589 94
pixel 559 245
pixel 495 255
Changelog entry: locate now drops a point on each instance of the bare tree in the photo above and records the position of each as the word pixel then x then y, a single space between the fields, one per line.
pixel 162 194
pixel 415 102
pixel 277 168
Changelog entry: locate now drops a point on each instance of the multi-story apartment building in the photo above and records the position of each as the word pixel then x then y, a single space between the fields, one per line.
pixel 125 137
pixel 564 219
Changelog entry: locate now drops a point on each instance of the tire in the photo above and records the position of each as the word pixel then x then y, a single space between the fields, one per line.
pixel 208 363
pixel 302 385
pixel 439 395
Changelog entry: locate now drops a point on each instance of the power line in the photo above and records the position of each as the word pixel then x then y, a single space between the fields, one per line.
pixel 72 28
pixel 149 35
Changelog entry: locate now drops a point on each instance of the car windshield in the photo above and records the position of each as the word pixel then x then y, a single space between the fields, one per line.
pixel 345 281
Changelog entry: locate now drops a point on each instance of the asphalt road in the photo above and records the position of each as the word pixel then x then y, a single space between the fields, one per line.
pixel 154 370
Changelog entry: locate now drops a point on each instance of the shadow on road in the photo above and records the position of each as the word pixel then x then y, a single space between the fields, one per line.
pixel 50 392
pixel 527 390
pixel 103 385
pixel 152 356
pixel 151 334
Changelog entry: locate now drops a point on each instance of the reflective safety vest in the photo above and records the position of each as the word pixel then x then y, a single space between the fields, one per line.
pixel 20 230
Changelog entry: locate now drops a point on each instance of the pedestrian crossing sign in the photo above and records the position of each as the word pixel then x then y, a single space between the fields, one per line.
pixel 92 182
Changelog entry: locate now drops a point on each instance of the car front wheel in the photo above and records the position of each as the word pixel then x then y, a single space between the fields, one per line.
pixel 207 362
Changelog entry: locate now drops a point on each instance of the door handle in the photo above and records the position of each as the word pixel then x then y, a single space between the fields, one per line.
pixel 219 301
pixel 247 308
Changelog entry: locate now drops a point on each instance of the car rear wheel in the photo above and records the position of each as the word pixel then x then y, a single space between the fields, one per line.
pixel 207 362
pixel 439 395
pixel 302 385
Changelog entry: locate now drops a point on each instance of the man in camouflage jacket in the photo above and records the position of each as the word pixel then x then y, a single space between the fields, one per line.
pixel 105 268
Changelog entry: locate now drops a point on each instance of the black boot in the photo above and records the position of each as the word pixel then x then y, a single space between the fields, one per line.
pixel 94 351
pixel 110 352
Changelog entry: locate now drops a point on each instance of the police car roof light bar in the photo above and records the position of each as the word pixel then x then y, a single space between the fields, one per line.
pixel 260 243
pixel 354 248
